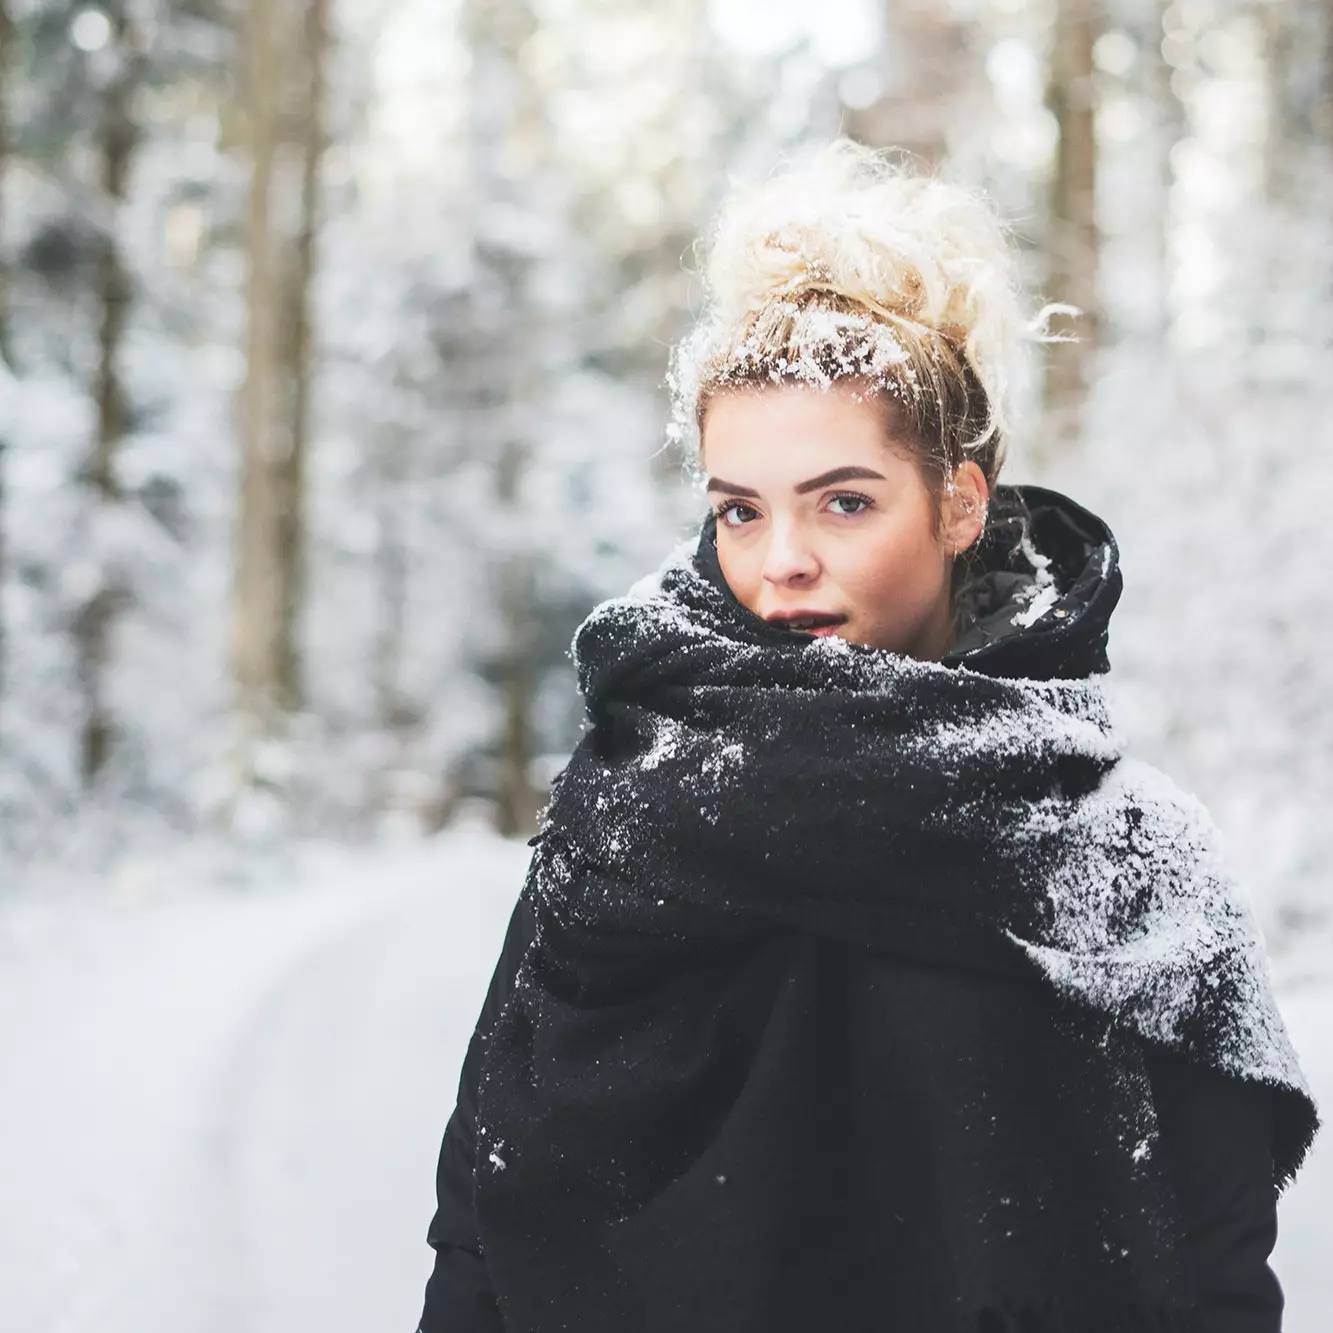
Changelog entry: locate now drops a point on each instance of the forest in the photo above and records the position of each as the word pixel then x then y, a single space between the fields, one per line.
pixel 333 346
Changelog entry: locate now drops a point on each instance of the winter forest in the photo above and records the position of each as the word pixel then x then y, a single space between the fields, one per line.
pixel 333 338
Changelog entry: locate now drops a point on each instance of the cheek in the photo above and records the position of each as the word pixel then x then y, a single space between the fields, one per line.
pixel 900 570
pixel 738 570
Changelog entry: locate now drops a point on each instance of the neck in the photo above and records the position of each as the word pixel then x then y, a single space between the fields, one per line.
pixel 937 634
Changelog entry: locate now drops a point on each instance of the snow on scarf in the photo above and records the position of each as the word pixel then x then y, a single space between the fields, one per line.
pixel 742 785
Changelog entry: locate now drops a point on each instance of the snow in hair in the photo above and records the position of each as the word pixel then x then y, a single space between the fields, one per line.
pixel 850 265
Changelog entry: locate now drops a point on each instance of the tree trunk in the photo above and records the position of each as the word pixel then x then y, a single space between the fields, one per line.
pixel 285 64
pixel 518 798
pixel 298 344
pixel 391 575
pixel 6 351
pixel 1073 239
pixel 259 592
pixel 1168 127
pixel 1298 171
pixel 930 77
pixel 508 130
pixel 7 75
pixel 95 622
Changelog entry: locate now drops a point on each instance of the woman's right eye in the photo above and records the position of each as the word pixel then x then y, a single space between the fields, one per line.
pixel 733 513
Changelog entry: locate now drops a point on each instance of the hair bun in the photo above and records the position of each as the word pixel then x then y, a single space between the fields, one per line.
pixel 923 256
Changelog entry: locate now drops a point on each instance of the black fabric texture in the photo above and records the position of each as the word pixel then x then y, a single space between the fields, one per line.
pixel 1216 1134
pixel 1215 1139
pixel 773 1059
pixel 459 1295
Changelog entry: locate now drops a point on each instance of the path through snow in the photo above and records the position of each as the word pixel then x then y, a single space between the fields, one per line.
pixel 221 1113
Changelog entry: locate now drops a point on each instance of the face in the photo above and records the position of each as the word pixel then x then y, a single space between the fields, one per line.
pixel 824 527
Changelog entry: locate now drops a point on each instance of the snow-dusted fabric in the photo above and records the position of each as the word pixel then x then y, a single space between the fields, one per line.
pixel 771 852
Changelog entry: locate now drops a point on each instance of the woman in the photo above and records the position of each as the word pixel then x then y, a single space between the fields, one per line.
pixel 859 981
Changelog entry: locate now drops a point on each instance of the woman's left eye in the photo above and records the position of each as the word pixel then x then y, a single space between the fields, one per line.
pixel 851 503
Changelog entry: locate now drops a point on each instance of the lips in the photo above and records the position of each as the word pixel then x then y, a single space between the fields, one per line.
pixel 806 622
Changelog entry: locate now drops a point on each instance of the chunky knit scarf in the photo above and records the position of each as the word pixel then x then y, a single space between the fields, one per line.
pixel 844 966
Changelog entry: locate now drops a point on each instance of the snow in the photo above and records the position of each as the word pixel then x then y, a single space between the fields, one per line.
pixel 223 1105
pixel 1044 600
pixel 1144 907
pixel 223 1108
pixel 665 744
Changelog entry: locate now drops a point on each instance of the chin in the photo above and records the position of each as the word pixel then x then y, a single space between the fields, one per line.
pixel 849 634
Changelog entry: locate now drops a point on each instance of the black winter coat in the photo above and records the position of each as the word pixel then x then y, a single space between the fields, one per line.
pixel 1215 1132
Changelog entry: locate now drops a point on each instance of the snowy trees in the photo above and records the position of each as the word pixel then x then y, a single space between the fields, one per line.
pixel 107 107
pixel 332 339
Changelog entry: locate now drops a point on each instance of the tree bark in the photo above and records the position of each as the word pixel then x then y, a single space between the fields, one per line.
pixel 1168 127
pixel 298 346
pixel 7 44
pixel 259 594
pixel 285 68
pixel 507 127
pixel 1298 171
pixel 931 75
pixel 1073 245
pixel 6 351
pixel 518 798
pixel 391 467
pixel 95 622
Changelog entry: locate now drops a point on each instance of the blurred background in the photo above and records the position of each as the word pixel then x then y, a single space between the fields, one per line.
pixel 332 344
pixel 333 336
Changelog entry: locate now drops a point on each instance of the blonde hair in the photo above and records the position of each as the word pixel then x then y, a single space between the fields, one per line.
pixel 851 267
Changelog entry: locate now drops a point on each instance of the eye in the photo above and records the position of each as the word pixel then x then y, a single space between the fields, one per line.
pixel 734 513
pixel 851 503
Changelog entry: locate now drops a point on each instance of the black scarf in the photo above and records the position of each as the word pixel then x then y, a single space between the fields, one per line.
pixel 843 966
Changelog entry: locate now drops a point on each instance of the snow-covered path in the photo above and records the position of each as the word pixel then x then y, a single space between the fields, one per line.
pixel 221 1113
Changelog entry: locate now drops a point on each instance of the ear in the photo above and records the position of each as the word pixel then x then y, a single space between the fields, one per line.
pixel 965 500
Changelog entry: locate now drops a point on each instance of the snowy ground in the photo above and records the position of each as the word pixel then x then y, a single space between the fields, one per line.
pixel 222 1107
pixel 221 1111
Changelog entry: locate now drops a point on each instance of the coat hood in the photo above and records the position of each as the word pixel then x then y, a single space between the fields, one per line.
pixel 1043 583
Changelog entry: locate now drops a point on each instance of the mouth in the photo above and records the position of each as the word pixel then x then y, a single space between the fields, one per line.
pixel 807 622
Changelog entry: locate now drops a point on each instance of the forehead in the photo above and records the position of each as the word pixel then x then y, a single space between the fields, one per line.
pixel 791 431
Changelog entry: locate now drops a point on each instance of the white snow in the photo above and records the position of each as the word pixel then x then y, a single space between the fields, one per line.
pixel 222 1111
pixel 665 743
pixel 1040 604
pixel 222 1108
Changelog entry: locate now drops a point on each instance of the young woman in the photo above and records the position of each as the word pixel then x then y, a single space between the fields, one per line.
pixel 859 980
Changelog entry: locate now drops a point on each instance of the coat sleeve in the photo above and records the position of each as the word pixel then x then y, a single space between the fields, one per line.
pixel 459 1298
pixel 1217 1132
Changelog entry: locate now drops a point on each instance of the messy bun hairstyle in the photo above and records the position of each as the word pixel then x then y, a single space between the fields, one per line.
pixel 852 268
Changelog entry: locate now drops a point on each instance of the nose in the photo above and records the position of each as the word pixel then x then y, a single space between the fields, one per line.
pixel 789 559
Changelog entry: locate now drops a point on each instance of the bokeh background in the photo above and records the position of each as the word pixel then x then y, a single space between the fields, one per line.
pixel 333 336
pixel 332 346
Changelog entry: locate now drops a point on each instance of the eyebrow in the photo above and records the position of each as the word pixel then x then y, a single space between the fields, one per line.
pixel 830 478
